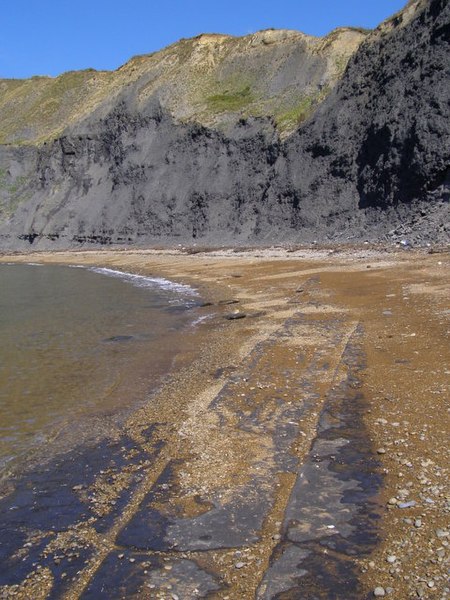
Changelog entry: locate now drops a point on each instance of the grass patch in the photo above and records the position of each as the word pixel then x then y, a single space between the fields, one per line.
pixel 294 116
pixel 231 101
pixel 13 187
pixel 341 63
pixel 16 196
pixel 41 105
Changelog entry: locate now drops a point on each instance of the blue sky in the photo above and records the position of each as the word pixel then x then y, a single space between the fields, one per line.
pixel 48 37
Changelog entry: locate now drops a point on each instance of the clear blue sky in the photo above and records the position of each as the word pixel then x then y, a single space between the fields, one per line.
pixel 48 37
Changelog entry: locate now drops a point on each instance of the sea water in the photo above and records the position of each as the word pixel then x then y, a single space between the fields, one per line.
pixel 79 343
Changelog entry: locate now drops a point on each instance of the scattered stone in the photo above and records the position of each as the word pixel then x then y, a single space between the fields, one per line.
pixel 240 565
pixel 235 316
pixel 391 559
pixel 441 533
pixel 258 313
pixel 409 504
pixel 119 338
pixel 381 451
pixel 418 523
pixel 379 591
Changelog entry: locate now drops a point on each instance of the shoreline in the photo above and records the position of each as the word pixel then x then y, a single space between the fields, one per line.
pixel 103 404
pixel 283 363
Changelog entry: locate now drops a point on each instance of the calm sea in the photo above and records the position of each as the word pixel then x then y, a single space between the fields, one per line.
pixel 77 343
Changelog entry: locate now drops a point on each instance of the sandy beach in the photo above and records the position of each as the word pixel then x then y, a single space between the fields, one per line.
pixel 299 448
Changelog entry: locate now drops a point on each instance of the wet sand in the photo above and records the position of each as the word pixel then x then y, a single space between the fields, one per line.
pixel 299 451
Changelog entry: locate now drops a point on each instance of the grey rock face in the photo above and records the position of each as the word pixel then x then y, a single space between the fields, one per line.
pixel 386 126
pixel 372 162
pixel 377 151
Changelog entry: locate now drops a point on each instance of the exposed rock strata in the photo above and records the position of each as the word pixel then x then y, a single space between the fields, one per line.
pixel 372 162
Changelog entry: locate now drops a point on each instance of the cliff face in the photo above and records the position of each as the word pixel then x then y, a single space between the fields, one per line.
pixel 376 154
pixel 211 79
pixel 387 122
pixel 161 158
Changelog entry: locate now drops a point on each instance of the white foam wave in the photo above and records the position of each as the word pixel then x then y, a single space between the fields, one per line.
pixel 201 319
pixel 143 281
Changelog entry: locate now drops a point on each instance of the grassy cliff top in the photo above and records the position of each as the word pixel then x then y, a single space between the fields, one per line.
pixel 212 79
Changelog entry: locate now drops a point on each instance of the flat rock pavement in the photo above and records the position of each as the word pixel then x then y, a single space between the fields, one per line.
pixel 267 486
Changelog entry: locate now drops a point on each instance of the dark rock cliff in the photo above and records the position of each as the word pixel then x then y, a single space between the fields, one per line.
pixel 386 125
pixel 371 163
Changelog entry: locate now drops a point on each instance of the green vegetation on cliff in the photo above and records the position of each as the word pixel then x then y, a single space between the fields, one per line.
pixel 203 80
pixel 230 101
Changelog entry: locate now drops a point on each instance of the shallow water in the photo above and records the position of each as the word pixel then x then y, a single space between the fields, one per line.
pixel 77 343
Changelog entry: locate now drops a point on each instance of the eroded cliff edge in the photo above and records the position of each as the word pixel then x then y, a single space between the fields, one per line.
pixel 274 137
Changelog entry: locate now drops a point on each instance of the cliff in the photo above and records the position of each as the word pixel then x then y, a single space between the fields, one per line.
pixel 272 137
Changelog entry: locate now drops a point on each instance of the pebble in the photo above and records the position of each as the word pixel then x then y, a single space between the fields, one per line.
pixel 379 591
pixel 441 533
pixel 235 316
pixel 381 451
pixel 418 523
pixel 239 565
pixel 391 559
